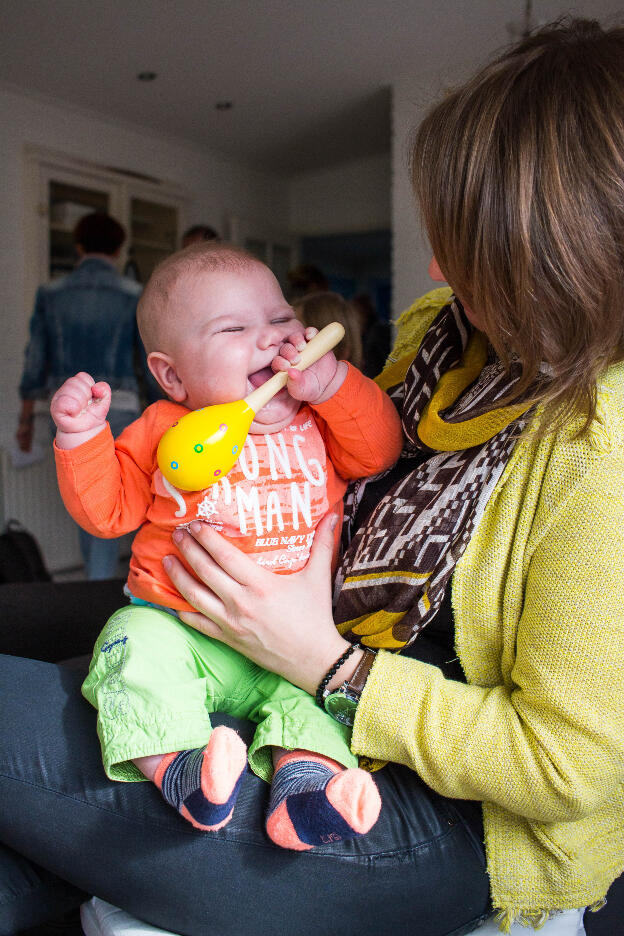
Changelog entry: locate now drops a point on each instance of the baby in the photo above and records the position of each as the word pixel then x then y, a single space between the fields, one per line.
pixel 215 325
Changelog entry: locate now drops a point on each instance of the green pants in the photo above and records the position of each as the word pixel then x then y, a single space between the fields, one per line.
pixel 155 681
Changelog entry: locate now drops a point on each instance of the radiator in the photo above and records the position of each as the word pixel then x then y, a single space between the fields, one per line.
pixel 30 495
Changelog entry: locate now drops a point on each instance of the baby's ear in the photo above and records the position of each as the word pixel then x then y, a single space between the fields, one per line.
pixel 164 371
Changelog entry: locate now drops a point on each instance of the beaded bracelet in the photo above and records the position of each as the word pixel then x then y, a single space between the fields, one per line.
pixel 332 672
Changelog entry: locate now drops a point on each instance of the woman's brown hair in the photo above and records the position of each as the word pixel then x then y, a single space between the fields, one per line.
pixel 519 175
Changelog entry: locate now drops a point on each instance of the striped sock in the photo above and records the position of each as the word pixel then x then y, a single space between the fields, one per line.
pixel 316 801
pixel 203 784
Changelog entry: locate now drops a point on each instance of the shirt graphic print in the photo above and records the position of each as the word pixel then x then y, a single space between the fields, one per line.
pixel 270 502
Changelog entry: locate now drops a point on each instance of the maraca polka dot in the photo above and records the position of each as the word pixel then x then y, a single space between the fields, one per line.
pixel 217 473
pixel 223 427
pixel 199 447
pixel 174 465
pixel 234 449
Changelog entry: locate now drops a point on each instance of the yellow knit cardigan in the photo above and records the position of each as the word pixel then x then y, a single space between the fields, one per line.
pixel 537 733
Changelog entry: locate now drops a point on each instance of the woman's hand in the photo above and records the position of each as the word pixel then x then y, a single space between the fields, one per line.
pixel 282 622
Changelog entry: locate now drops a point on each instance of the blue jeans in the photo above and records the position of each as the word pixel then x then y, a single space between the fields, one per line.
pixel 421 869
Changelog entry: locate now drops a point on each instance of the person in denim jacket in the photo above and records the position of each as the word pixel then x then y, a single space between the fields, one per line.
pixel 87 321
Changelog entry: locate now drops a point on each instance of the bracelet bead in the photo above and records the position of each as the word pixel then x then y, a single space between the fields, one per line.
pixel 332 672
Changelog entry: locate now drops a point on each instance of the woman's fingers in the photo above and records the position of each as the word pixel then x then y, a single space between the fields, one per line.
pixel 222 566
pixel 221 555
pixel 281 622
pixel 202 623
pixel 318 568
pixel 210 608
pixel 220 579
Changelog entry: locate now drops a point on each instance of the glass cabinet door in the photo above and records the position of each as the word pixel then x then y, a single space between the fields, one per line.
pixel 60 190
pixel 153 236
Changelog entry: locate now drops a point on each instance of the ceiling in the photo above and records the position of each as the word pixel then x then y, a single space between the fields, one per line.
pixel 309 80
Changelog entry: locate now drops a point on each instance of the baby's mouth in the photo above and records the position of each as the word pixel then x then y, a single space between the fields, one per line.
pixel 259 377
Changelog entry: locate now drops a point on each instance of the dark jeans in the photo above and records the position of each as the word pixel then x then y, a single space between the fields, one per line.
pixel 420 870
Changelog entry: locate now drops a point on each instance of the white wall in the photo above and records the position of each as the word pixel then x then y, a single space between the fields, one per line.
pixel 410 249
pixel 350 197
pixel 367 194
pixel 374 193
pixel 216 188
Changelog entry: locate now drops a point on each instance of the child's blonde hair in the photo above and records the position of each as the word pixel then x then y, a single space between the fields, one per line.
pixel 321 308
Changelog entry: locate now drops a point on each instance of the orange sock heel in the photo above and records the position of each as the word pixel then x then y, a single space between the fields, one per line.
pixel 315 801
pixel 203 784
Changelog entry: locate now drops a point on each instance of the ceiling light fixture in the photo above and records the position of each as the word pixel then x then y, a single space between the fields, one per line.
pixel 224 105
pixel 147 76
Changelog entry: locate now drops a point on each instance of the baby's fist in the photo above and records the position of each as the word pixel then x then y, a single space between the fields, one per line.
pixel 80 404
pixel 319 380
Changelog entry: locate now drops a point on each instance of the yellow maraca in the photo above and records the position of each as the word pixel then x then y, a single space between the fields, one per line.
pixel 201 447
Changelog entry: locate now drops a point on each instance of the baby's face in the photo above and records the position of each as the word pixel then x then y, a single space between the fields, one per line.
pixel 230 325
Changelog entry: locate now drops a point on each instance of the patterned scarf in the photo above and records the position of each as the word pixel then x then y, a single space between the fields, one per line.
pixel 397 566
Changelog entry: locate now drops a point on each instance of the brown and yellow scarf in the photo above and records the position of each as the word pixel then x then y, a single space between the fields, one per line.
pixel 396 567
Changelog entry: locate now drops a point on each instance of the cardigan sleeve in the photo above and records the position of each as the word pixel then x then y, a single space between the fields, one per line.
pixel 548 743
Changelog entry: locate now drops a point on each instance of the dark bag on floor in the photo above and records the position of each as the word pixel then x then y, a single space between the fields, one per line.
pixel 20 556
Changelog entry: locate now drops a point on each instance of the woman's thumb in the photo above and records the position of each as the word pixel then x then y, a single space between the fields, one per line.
pixel 322 550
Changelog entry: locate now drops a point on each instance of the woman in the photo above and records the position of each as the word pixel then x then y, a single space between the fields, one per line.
pixel 486 567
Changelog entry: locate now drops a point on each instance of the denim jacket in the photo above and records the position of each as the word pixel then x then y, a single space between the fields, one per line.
pixel 85 321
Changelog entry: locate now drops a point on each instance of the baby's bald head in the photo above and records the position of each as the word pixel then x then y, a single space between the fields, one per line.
pixel 156 311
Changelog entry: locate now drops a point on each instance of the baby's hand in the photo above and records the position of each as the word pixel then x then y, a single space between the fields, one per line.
pixel 79 408
pixel 316 383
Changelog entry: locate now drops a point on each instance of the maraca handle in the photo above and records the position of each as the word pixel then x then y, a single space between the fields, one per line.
pixel 323 342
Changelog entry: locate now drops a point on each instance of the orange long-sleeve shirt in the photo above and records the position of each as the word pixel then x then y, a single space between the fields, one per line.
pixel 270 502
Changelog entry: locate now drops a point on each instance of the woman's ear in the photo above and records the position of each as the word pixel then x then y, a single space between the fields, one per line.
pixel 164 371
